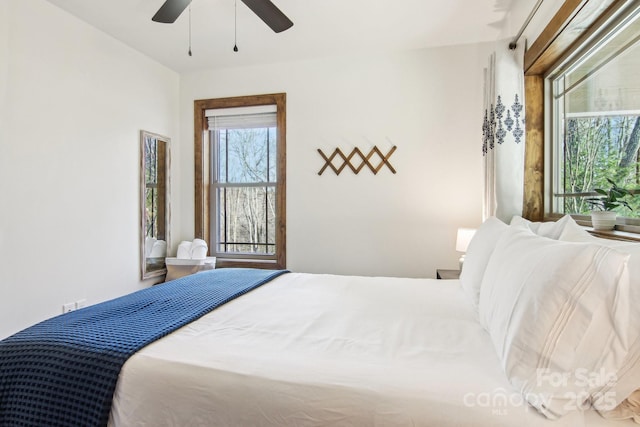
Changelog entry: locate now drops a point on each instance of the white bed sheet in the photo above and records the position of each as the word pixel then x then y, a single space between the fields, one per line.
pixel 323 350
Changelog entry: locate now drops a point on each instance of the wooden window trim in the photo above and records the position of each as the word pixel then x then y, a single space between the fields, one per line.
pixel 571 25
pixel 202 156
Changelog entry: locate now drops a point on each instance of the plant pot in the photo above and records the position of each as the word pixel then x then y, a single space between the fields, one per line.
pixel 603 220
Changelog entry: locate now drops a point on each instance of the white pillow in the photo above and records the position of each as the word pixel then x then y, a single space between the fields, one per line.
pixel 550 229
pixel 478 254
pixel 629 374
pixel 572 232
pixel 553 310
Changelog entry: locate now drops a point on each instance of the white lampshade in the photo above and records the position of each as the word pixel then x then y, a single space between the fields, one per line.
pixel 462 242
pixel 464 237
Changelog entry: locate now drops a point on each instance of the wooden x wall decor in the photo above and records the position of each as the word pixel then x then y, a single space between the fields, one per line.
pixel 365 160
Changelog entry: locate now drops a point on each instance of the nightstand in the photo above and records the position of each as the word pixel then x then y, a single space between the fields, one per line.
pixel 447 274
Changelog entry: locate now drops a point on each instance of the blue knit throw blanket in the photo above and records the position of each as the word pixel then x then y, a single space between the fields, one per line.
pixel 63 371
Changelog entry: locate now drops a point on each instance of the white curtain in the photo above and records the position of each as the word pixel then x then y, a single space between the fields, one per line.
pixel 503 132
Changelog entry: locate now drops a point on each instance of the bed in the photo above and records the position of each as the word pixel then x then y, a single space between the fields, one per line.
pixel 326 350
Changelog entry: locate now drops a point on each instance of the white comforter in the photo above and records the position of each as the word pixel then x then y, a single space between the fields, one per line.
pixel 322 350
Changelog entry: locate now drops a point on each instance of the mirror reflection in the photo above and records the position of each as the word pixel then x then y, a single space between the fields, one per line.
pixel 155 208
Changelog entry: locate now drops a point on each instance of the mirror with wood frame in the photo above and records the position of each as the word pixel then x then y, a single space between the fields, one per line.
pixel 155 161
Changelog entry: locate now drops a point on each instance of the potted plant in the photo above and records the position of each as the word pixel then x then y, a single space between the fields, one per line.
pixel 603 216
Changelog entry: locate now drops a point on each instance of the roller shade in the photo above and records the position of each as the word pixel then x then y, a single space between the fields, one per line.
pixel 242 117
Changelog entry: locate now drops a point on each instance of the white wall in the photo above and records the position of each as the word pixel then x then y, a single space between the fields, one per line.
pixel 518 13
pixel 427 102
pixel 4 75
pixel 73 101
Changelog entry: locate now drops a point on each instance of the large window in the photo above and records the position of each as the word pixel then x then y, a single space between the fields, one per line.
pixel 240 179
pixel 244 180
pixel 595 114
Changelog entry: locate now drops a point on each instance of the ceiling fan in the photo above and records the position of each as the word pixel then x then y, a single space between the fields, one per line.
pixel 267 11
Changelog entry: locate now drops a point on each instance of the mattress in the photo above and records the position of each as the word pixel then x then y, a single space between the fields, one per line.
pixel 324 350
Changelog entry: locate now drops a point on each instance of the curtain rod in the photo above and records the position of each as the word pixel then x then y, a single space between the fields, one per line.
pixel 514 42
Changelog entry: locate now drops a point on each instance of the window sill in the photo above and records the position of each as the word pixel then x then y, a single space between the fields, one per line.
pixel 266 264
pixel 623 231
pixel 627 236
pixel 630 233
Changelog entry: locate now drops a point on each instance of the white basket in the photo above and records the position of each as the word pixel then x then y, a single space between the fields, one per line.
pixel 179 267
pixel 186 261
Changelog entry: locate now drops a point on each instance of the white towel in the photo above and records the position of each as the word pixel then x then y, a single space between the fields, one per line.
pixel 184 250
pixel 199 249
pixel 159 249
pixel 148 246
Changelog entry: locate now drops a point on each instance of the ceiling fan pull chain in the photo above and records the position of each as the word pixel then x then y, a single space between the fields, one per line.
pixel 235 29
pixel 190 29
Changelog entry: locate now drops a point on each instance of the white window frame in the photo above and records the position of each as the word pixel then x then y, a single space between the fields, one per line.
pixel 553 130
pixel 224 119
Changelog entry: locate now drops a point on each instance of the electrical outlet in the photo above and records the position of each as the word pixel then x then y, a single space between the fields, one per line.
pixel 81 303
pixel 70 306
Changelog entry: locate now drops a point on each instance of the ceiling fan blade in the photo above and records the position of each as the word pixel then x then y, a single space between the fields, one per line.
pixel 170 11
pixel 270 14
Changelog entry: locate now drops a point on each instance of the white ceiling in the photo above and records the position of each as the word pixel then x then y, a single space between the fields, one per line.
pixel 321 28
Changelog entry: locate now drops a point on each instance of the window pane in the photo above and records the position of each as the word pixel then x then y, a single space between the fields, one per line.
pixel 151 193
pixel 597 105
pixel 151 203
pixel 597 148
pixel 273 159
pixel 271 218
pixel 246 220
pixel 221 153
pixel 242 155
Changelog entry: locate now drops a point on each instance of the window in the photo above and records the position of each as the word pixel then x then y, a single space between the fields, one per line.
pixel 595 105
pixel 240 179
pixel 244 180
